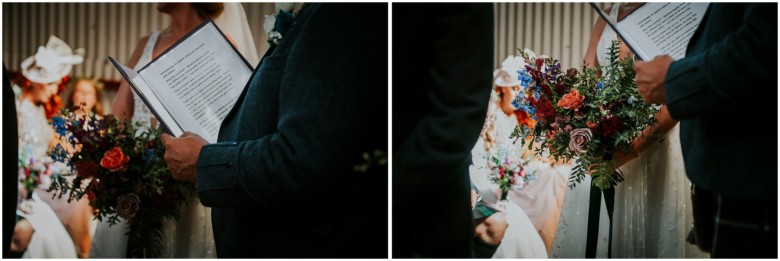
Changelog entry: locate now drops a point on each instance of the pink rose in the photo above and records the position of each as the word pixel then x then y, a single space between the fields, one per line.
pixel 579 138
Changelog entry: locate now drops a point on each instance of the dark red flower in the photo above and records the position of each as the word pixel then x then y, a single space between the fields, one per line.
pixel 610 126
pixel 544 110
pixel 85 169
pixel 161 200
pixel 91 188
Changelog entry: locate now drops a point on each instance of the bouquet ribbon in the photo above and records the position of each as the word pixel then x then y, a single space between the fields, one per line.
pixel 594 213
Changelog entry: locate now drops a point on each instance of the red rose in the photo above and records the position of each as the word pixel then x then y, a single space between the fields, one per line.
pixel 85 169
pixel 114 160
pixel 572 100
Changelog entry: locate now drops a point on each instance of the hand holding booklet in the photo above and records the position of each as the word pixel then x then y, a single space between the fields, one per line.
pixel 194 84
pixel 658 28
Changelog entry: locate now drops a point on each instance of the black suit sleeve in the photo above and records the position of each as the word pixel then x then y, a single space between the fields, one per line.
pixel 10 157
pixel 443 78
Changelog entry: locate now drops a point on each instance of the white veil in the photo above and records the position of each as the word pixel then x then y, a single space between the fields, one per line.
pixel 233 22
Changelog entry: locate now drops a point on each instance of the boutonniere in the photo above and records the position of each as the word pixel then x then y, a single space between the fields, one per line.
pixel 277 24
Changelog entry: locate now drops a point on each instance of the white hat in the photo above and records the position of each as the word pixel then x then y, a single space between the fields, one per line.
pixel 52 62
pixel 507 75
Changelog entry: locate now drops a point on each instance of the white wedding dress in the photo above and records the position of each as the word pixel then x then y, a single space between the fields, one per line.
pixel 49 238
pixel 652 214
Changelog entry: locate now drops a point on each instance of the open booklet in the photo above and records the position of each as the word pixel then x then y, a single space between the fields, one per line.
pixel 658 28
pixel 193 84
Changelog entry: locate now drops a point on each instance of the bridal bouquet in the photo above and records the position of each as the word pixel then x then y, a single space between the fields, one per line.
pixel 508 172
pixel 582 115
pixel 121 170
pixel 34 172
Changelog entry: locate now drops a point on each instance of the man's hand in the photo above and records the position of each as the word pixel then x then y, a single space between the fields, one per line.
pixel 650 78
pixel 182 153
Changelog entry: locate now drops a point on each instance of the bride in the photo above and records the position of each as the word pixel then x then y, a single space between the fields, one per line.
pixel 652 213
pixel 191 235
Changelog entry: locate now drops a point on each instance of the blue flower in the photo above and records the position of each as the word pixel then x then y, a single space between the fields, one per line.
pixel 516 103
pixel 59 154
pixel 149 154
pixel 59 125
pixel 530 110
pixel 536 95
pixel 525 79
pixel 600 86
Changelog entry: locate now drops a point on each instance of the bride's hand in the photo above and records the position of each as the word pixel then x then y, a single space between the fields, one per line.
pixel 623 157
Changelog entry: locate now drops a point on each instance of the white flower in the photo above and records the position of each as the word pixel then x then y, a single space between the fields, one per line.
pixel 268 24
pixel 530 53
pixel 275 37
pixel 285 6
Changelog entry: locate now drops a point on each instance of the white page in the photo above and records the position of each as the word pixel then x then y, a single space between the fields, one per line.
pixel 662 28
pixel 199 81
pixel 151 98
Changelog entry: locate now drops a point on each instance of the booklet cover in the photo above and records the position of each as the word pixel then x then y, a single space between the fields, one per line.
pixel 193 84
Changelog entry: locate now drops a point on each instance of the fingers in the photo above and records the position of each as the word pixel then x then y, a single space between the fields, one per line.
pixel 166 138
pixel 638 65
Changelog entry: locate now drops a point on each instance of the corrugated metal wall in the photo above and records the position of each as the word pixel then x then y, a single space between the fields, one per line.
pixel 560 30
pixel 102 29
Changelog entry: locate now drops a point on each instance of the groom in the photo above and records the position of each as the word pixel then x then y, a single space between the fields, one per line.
pixel 724 92
pixel 282 180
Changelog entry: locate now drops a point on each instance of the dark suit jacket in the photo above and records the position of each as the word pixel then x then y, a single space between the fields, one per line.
pixel 10 163
pixel 280 180
pixel 442 78
pixel 724 92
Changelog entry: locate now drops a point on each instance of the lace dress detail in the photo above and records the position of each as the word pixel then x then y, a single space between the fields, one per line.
pixel 36 132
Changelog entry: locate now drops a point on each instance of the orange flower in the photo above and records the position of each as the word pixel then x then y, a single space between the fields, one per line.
pixel 525 119
pixel 572 100
pixel 114 160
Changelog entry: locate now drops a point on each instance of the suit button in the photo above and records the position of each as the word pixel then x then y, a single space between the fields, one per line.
pixel 229 164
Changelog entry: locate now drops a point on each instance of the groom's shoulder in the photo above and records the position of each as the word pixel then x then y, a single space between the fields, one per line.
pixel 354 12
